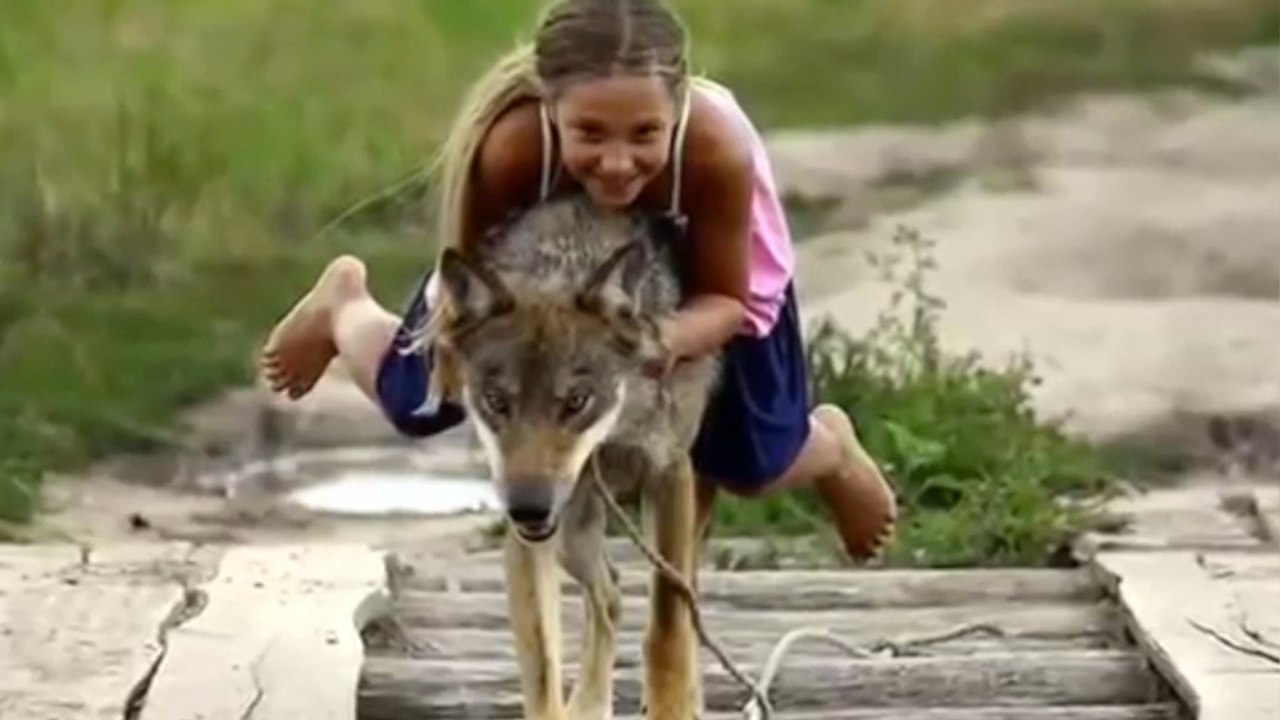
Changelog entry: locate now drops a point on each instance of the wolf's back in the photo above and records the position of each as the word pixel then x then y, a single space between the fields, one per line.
pixel 556 245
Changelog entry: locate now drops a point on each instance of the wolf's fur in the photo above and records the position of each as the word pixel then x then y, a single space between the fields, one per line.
pixel 561 301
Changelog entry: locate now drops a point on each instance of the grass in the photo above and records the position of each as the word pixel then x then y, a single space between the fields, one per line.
pixel 981 478
pixel 166 166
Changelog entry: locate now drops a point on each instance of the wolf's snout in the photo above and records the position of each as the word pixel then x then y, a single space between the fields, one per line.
pixel 531 506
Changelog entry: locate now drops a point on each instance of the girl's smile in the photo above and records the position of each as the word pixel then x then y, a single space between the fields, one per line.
pixel 615 134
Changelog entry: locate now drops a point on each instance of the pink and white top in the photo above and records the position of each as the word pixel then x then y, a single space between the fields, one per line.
pixel 772 262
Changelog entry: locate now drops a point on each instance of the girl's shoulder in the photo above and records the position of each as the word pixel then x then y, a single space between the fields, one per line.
pixel 508 165
pixel 720 144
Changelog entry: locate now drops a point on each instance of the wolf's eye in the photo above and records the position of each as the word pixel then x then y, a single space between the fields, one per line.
pixel 576 402
pixel 495 401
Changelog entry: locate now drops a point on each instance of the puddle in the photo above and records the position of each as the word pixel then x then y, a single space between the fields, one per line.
pixel 374 493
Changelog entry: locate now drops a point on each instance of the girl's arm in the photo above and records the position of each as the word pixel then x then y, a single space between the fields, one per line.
pixel 718 187
pixel 507 171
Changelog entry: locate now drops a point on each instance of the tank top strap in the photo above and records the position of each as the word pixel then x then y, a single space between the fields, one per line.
pixel 677 157
pixel 548 152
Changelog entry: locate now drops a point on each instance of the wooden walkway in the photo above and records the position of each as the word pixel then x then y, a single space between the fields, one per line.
pixel 1185 606
pixel 1042 645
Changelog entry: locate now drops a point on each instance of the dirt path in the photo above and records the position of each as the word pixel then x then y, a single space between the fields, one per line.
pixel 1132 245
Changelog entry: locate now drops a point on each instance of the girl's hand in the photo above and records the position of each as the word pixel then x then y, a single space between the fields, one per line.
pixel 661 359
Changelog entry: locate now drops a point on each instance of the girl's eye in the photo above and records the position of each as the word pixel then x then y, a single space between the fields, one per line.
pixel 496 402
pixel 646 136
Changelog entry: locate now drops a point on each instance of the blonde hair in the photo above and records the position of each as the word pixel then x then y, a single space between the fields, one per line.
pixel 574 39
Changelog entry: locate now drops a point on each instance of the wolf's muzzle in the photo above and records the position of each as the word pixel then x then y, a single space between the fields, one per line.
pixel 531 507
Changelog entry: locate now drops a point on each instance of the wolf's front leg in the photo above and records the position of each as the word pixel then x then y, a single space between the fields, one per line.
pixel 585 559
pixel 592 698
pixel 533 596
pixel 671 688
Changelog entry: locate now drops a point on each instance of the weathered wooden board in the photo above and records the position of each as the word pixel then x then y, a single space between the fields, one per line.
pixel 1078 712
pixel 80 630
pixel 1176 628
pixel 818 589
pixel 1045 620
pixel 745 644
pixel 278 640
pixel 462 689
pixel 1081 712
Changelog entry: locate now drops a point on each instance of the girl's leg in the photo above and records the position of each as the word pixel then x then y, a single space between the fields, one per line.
pixel 759 436
pixel 338 318
pixel 834 464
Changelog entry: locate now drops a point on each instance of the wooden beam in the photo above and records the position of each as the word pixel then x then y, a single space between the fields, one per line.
pixel 1081 712
pixel 435 611
pixel 744 644
pixel 278 639
pixel 1176 602
pixel 80 628
pixel 1089 712
pixel 818 589
pixel 402 688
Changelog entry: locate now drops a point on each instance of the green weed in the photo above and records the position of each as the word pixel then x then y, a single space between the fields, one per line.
pixel 981 479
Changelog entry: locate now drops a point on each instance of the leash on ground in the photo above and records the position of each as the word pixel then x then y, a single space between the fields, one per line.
pixel 759 707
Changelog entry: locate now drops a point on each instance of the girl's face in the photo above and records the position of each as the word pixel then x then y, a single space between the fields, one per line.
pixel 615 134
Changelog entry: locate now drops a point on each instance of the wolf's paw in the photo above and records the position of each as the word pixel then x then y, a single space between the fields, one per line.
pixel 598 712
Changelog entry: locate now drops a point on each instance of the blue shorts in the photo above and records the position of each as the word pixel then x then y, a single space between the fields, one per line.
pixel 755 424
pixel 758 419
pixel 402 382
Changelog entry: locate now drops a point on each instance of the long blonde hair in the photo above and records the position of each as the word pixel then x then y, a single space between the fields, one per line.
pixel 574 39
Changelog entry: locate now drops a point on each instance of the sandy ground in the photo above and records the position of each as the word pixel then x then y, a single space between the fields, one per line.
pixel 1137 257
pixel 1132 245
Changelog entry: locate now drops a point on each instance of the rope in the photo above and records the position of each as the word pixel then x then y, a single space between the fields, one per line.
pixel 686 592
pixel 758 707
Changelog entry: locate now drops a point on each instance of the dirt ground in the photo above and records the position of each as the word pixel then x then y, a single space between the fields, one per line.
pixel 1132 244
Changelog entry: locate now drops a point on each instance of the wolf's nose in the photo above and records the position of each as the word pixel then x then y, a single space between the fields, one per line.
pixel 529 503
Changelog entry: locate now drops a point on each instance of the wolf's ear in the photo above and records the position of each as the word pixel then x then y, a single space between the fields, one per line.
pixel 475 291
pixel 616 283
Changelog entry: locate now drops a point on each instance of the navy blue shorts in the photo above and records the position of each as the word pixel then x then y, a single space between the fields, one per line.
pixel 755 424
pixel 758 419
pixel 402 383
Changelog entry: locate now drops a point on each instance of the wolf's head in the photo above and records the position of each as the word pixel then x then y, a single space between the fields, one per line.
pixel 544 372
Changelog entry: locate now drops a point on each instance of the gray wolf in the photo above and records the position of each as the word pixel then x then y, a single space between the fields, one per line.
pixel 554 319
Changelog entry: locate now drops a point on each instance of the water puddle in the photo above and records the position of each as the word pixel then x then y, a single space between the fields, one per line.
pixel 380 492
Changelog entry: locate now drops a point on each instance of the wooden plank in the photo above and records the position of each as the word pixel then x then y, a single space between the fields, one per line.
pixel 489 611
pixel 819 589
pixel 1088 712
pixel 1175 602
pixel 1079 712
pixel 745 644
pixel 404 688
pixel 80 629
pixel 278 640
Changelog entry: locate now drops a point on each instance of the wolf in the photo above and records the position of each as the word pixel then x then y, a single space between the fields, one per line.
pixel 554 318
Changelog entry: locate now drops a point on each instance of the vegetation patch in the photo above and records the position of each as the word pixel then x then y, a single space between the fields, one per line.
pixel 981 479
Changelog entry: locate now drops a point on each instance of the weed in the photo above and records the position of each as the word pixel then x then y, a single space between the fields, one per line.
pixel 981 479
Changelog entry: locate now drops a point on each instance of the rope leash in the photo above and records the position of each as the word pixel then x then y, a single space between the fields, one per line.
pixel 760 697
pixel 758 707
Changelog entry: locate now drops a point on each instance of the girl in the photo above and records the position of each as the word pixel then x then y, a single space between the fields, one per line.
pixel 602 101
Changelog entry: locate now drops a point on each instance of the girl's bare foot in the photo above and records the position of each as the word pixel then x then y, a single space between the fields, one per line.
pixel 858 497
pixel 302 345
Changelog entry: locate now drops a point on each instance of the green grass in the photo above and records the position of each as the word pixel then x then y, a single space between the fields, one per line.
pixel 165 167
pixel 980 476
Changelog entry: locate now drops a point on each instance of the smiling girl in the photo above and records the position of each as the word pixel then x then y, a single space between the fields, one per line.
pixel 602 102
